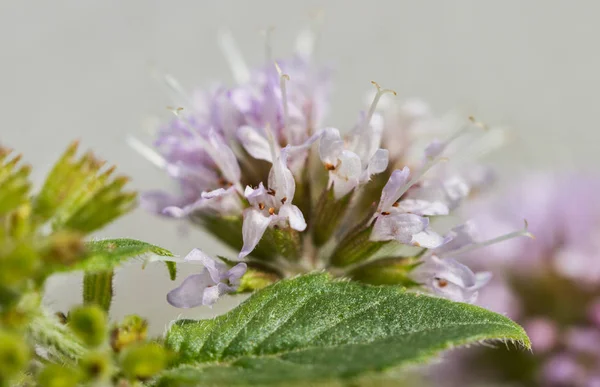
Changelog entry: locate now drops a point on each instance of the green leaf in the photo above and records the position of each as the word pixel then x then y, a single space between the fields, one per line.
pixel 314 329
pixel 98 288
pixel 106 254
pixel 81 194
pixel 14 181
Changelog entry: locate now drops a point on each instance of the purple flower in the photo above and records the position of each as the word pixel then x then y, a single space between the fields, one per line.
pixel 215 280
pixel 404 221
pixel 451 279
pixel 271 207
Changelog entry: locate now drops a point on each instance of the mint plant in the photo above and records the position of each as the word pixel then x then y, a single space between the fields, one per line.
pixel 335 241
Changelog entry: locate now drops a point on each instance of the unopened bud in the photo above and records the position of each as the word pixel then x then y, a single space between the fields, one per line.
pixel 89 324
pixel 143 361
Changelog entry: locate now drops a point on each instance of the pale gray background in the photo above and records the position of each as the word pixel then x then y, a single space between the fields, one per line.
pixel 80 69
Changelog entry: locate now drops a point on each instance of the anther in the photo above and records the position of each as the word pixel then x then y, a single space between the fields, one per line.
pixel 283 200
pixel 373 107
pixel 330 167
pixel 271 210
pixel 271 192
pixel 261 206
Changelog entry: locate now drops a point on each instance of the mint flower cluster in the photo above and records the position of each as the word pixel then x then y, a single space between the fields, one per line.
pixel 257 166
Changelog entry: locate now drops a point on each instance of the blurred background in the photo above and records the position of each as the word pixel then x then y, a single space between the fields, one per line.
pixel 83 70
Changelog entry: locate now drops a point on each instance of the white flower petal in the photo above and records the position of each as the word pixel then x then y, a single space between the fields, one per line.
pixel 215 266
pixel 255 143
pixel 281 179
pixel 330 146
pixel 379 161
pixel 253 228
pixel 213 293
pixel 191 291
pixel 393 188
pixel 428 239
pixel 224 157
pixel 400 227
pixel 422 207
pixel 294 216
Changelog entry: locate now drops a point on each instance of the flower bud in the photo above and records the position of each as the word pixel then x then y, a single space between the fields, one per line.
pixel 132 329
pixel 386 271
pixel 256 279
pixel 95 366
pixel 89 324
pixel 56 375
pixel 329 211
pixel 14 354
pixel 143 361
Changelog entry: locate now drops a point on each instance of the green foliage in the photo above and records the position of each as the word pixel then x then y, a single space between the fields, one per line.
pixel 56 375
pixel 312 328
pixel 89 324
pixel 106 254
pixel 327 215
pixel 386 271
pixel 143 361
pixel 79 194
pixel 14 355
pixel 356 247
pixel 98 288
pixel 14 182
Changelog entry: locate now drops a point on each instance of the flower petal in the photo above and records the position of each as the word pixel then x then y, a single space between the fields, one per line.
pixel 224 157
pixel 235 273
pixel 294 216
pixel 346 176
pixel 255 143
pixel 428 239
pixel 157 201
pixel 253 228
pixel 191 291
pixel 422 207
pixel 377 164
pixel 400 227
pixel 330 146
pixel 281 179
pixel 216 268
pixel 393 188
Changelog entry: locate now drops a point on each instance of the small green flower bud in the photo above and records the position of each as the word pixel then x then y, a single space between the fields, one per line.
pixel 133 329
pixel 327 214
pixel 14 355
pixel 356 247
pixel 386 271
pixel 56 375
pixel 89 324
pixel 95 366
pixel 256 279
pixel 143 361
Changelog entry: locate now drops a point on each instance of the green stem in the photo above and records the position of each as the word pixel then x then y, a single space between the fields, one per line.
pixel 98 288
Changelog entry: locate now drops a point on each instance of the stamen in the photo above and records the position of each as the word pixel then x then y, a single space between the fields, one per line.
pixel 267 33
pixel 272 142
pixel 307 39
pixel 203 142
pixel 147 152
pixel 439 158
pixel 378 95
pixel 233 56
pixel 271 192
pixel 271 210
pixel 329 167
pixel 442 283
pixel 282 84
pixel 283 200
pixel 261 206
pixel 515 234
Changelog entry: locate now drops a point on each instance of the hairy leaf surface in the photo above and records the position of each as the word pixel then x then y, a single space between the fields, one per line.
pixel 314 329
